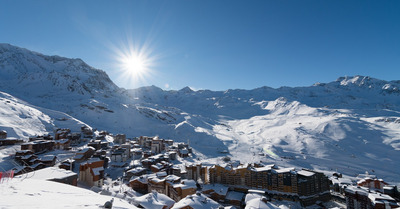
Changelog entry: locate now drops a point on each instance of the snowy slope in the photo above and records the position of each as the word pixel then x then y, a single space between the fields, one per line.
pixel 350 125
pixel 32 193
pixel 22 120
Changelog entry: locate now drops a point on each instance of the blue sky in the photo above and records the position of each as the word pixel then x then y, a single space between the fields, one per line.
pixel 217 45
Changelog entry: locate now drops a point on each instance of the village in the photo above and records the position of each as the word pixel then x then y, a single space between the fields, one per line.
pixel 150 171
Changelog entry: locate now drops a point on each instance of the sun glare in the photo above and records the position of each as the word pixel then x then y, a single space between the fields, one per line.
pixel 134 64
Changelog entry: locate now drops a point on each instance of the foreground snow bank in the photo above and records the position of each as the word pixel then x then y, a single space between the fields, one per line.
pixel 31 193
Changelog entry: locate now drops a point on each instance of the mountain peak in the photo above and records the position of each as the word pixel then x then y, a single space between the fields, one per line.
pixel 33 70
pixel 186 89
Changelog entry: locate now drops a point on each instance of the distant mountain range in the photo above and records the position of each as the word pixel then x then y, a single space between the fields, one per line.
pixel 351 125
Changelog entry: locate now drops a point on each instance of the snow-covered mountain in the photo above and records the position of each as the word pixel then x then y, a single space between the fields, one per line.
pixel 351 125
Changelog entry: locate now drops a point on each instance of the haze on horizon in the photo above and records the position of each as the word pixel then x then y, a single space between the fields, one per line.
pixel 215 45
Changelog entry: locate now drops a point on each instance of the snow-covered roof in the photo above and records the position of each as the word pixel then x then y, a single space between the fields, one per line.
pixel 157 180
pixel 92 160
pixel 305 173
pixel 50 173
pixel 96 171
pixel 136 170
pixel 61 141
pixel 218 188
pixel 172 178
pixel 283 170
pixel 341 181
pixel 36 165
pixel 184 151
pixel 84 150
pixel 378 197
pixel 154 200
pixel 78 156
pixel 186 184
pixel 196 201
pixel 158 166
pixel 251 196
pixel 232 195
pixel 48 158
pixel 354 189
pixel 161 174
pixel 143 178
pixel 25 157
pixel 260 203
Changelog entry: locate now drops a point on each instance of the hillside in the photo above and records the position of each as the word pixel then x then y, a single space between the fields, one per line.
pixel 351 125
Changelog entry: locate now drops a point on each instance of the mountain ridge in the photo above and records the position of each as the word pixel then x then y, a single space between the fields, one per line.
pixel 347 125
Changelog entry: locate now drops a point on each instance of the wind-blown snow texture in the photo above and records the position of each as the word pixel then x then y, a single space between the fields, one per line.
pixel 351 125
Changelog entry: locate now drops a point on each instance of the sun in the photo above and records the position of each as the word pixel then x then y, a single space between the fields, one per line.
pixel 134 64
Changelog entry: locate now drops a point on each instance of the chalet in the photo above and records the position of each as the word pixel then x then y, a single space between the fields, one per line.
pixel 157 184
pixel 139 184
pixel 376 184
pixel 38 166
pixel 176 170
pixel 147 154
pixel 10 141
pixel 235 198
pixel 102 155
pixel 22 170
pixel 183 153
pixel 216 192
pixel 84 154
pixel 138 171
pixel 67 164
pixel 26 159
pixel 38 146
pixel 104 133
pixel 147 163
pixel 96 144
pixel 157 167
pixel 3 134
pixel 169 142
pixel 137 153
pixel 183 189
pixel 86 131
pixel 170 181
pixel 23 153
pixel 42 137
pixel 338 184
pixel 75 138
pixel 61 133
pixel 172 155
pixel 258 201
pixel 62 144
pixel 92 172
pixel 362 197
pixel 119 155
pixel 48 160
